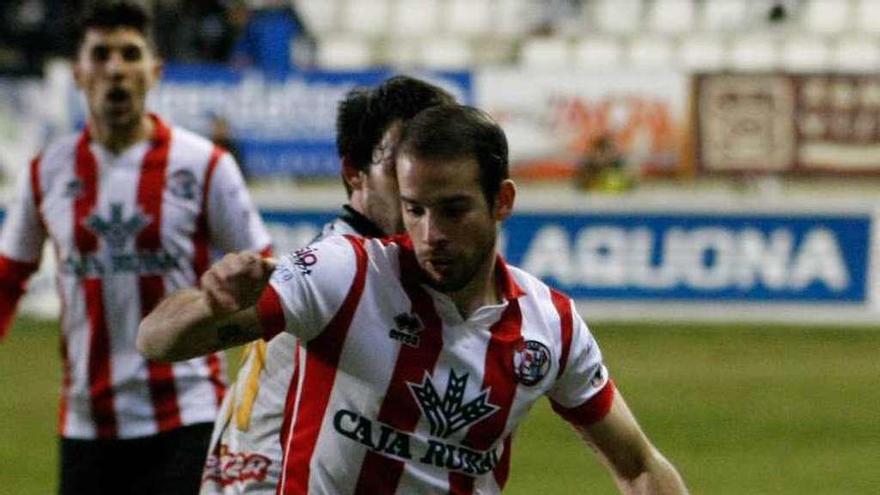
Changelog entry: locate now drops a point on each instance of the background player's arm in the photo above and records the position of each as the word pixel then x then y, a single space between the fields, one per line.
pixel 638 467
pixel 21 242
pixel 233 220
pixel 219 315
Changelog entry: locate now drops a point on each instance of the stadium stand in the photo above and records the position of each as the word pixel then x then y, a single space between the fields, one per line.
pixel 689 34
pixel 826 16
pixel 415 18
pixel 751 35
pixel 672 16
pixel 867 15
pixel 702 52
pixel 597 52
pixel 369 19
pixel 546 52
pixel 347 52
pixel 857 53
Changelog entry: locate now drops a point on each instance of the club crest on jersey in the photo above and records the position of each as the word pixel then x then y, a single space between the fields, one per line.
pixel 450 413
pixel 408 326
pixel 116 230
pixel 182 184
pixel 531 362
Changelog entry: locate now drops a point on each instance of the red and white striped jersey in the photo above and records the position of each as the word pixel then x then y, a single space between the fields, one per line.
pixel 127 229
pixel 396 393
pixel 245 452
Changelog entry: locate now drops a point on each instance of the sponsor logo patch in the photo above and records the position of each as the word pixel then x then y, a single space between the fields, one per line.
pixel 388 441
pixel 446 415
pixel 450 413
pixel 304 259
pixel 408 326
pixel 116 230
pixel 226 467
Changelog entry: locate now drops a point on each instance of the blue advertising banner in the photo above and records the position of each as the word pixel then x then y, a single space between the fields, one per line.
pixel 282 126
pixel 687 257
pixel 730 257
pixel 747 258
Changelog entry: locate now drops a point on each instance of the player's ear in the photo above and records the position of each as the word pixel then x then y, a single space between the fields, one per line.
pixel 504 200
pixel 351 175
pixel 77 73
pixel 157 69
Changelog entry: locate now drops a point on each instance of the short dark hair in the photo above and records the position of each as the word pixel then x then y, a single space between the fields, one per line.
pixel 105 14
pixel 451 132
pixel 402 98
pixel 351 123
pixel 364 115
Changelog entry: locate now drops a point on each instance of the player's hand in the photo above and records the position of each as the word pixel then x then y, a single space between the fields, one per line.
pixel 236 281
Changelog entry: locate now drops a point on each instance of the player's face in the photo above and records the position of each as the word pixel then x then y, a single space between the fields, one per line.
pixel 452 227
pixel 115 68
pixel 380 193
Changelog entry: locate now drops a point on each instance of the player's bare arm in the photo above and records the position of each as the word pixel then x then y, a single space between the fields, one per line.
pixel 219 315
pixel 638 467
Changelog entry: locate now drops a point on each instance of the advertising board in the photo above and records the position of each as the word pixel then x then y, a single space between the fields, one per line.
pixel 283 127
pixel 794 123
pixel 693 260
pixel 556 120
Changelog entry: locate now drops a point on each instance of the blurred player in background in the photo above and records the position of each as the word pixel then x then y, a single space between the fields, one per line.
pixel 420 354
pixel 245 455
pixel 133 207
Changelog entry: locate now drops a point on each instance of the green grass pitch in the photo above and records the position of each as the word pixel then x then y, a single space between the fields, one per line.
pixel 740 409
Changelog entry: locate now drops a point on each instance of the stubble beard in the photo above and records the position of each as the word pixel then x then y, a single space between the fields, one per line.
pixel 469 271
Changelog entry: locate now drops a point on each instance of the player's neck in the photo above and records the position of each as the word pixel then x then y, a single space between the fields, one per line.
pixel 481 291
pixel 117 139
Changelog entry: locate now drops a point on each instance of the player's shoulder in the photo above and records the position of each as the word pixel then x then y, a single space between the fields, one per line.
pixel 190 144
pixel 325 264
pixel 59 153
pixel 325 254
pixel 548 310
pixel 337 226
pixel 536 292
pixel 371 248
pixel 530 284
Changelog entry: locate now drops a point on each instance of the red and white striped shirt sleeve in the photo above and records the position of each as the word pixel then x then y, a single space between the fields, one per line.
pixel 584 391
pixel 21 243
pixel 234 222
pixel 308 287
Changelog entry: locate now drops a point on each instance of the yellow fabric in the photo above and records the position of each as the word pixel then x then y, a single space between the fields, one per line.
pixel 257 352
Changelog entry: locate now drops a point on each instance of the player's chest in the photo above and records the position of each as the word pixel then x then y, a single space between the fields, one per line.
pixel 121 207
pixel 448 380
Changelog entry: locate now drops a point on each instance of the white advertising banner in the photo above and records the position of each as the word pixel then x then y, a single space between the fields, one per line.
pixel 556 120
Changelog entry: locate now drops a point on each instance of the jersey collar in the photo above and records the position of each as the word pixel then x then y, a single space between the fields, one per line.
pixel 509 288
pixel 360 223
pixel 161 131
pixel 410 269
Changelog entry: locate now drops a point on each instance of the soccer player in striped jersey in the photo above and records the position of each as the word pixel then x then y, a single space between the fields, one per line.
pixel 133 207
pixel 420 354
pixel 245 454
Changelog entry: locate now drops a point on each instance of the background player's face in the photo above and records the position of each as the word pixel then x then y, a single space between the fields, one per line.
pixel 380 194
pixel 453 229
pixel 115 68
